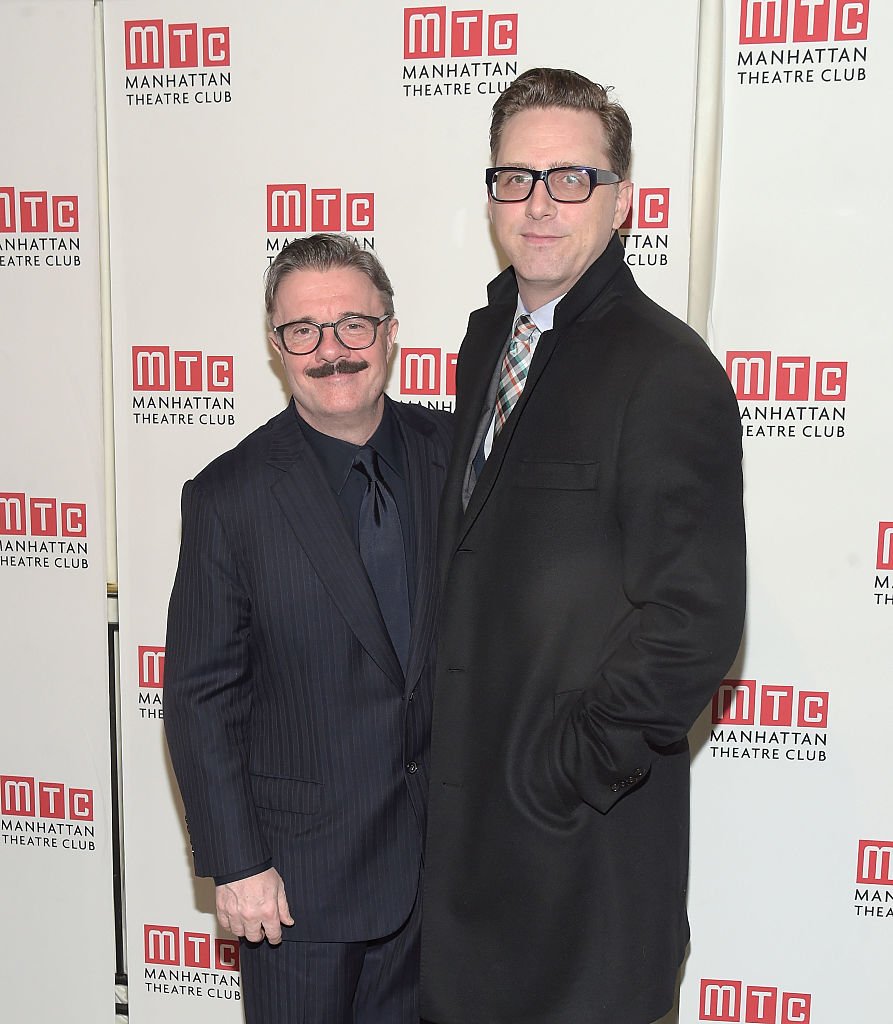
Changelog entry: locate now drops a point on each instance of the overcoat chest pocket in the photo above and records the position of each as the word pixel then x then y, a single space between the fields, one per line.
pixel 562 476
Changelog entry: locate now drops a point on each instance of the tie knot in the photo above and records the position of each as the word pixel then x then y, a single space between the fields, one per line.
pixel 524 331
pixel 524 326
pixel 366 461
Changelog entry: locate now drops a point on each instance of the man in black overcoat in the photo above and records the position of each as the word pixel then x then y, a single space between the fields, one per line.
pixel 592 551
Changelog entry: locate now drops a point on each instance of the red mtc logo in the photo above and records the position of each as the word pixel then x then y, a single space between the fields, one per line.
pixel 35 211
pixel 426 30
pixel 885 546
pixel 192 371
pixel 721 1000
pixel 423 369
pixel 41 517
pixel 803 21
pixel 151 666
pixel 652 209
pixel 162 945
pixel 875 866
pixel 147 44
pixel 735 703
pixel 329 209
pixel 795 380
pixel 23 796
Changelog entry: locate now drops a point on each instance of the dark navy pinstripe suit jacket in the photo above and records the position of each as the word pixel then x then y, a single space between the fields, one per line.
pixel 289 721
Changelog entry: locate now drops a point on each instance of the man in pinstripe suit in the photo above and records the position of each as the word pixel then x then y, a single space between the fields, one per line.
pixel 298 680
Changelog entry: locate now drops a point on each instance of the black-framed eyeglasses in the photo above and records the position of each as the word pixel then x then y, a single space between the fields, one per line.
pixel 301 337
pixel 573 184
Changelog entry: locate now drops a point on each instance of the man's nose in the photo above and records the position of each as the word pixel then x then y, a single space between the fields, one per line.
pixel 539 202
pixel 330 348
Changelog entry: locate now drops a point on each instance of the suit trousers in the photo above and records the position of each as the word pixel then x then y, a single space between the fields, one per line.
pixel 374 982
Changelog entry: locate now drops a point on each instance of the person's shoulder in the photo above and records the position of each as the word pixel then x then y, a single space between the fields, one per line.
pixel 672 353
pixel 657 326
pixel 246 460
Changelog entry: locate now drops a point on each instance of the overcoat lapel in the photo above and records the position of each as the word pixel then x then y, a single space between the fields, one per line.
pixel 485 345
pixel 312 511
pixel 545 348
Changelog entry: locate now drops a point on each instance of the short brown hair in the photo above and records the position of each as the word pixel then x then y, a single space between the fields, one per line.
pixel 541 88
pixel 326 252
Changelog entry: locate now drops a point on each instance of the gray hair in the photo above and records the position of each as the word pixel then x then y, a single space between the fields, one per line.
pixel 326 252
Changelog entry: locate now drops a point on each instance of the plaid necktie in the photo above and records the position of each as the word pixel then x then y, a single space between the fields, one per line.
pixel 514 370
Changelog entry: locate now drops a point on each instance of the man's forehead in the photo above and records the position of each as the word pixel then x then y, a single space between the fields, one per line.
pixel 331 284
pixel 548 165
pixel 541 125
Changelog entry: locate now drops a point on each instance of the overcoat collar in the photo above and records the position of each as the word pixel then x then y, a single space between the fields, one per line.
pixel 312 511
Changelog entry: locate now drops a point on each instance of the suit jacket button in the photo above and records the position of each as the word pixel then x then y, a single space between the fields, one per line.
pixel 412 767
pixel 615 787
pixel 412 695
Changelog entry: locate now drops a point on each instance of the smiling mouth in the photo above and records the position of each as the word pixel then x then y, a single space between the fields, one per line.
pixel 342 366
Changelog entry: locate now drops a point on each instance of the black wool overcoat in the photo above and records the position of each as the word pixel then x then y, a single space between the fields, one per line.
pixel 593 600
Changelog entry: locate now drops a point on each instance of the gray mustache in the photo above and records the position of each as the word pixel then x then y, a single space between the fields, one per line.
pixel 342 366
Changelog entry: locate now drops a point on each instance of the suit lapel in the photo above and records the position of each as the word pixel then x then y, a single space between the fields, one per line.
pixel 426 468
pixel 313 513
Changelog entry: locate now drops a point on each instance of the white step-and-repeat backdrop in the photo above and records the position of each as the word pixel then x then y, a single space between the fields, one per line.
pixel 57 950
pixel 792 871
pixel 232 130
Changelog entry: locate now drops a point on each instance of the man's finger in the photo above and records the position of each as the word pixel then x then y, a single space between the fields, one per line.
pixel 284 913
pixel 273 927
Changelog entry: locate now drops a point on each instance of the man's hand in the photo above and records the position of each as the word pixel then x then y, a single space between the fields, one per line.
pixel 255 907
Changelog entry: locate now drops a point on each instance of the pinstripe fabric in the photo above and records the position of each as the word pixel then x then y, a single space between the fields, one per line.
pixel 289 721
pixel 334 982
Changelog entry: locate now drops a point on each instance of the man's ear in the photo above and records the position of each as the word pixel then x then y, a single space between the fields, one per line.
pixel 393 325
pixel 622 202
pixel 274 342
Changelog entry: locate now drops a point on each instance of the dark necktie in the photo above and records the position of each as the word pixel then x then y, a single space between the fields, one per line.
pixel 383 552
